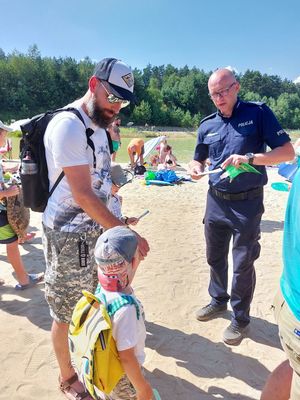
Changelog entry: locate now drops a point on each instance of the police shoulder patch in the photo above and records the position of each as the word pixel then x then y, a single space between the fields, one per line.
pixel 256 103
pixel 211 116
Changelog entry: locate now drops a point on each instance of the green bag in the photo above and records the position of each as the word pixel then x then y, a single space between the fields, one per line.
pixel 150 176
pixel 232 171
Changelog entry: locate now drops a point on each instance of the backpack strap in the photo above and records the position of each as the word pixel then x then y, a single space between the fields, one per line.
pixel 116 304
pixel 88 132
pixel 110 143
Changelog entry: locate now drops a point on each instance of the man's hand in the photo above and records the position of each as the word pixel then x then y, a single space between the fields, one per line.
pixel 143 247
pixel 132 221
pixel 195 168
pixel 236 160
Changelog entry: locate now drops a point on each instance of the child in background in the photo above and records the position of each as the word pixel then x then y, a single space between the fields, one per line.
pixel 119 179
pixel 170 160
pixel 7 235
pixel 117 258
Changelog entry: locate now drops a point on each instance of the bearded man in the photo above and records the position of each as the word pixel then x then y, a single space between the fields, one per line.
pixel 76 213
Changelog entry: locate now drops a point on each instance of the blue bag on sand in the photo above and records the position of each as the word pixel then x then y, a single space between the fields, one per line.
pixel 166 175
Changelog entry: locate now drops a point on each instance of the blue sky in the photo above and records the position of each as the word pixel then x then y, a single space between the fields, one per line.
pixel 262 35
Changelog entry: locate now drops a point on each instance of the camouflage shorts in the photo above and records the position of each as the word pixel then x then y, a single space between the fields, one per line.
pixel 123 391
pixel 70 268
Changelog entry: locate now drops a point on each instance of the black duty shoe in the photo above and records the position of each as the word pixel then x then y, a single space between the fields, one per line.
pixel 233 335
pixel 210 311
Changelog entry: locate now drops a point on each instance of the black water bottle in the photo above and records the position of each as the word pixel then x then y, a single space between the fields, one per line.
pixel 28 165
pixel 29 180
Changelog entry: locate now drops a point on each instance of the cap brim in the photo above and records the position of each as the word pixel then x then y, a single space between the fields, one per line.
pixel 120 92
pixel 6 128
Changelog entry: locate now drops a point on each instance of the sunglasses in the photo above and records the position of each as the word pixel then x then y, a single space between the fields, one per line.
pixel 111 98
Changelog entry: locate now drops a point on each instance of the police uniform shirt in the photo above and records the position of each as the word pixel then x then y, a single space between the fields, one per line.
pixel 250 128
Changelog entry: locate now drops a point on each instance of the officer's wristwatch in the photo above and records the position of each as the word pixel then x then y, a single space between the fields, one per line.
pixel 250 157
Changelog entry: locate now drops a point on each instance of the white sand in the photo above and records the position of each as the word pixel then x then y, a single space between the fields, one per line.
pixel 186 359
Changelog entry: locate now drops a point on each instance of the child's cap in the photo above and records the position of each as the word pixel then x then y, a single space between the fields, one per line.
pixel 118 176
pixel 115 245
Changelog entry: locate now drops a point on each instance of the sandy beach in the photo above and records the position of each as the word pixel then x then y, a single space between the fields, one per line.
pixel 186 359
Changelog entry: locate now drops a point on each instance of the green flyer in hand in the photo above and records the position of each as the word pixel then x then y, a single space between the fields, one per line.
pixel 232 171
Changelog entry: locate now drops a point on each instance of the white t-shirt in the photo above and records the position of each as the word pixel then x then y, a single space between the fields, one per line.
pixel 65 146
pixel 127 330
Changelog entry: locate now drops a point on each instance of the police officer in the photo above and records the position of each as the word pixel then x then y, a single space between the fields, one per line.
pixel 237 133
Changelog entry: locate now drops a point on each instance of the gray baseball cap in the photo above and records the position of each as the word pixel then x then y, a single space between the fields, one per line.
pixel 120 177
pixel 118 75
pixel 115 245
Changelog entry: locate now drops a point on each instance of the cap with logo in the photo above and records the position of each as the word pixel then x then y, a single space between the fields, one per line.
pixel 118 75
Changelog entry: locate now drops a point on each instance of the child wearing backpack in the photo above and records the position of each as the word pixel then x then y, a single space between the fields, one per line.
pixel 117 258
pixel 7 234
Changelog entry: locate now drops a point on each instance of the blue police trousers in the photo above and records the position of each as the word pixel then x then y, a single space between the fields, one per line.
pixel 239 220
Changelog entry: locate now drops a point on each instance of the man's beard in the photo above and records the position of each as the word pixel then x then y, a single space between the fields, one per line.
pixel 97 114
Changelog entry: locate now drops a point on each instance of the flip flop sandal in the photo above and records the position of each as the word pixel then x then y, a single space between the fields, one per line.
pixel 33 280
pixel 70 392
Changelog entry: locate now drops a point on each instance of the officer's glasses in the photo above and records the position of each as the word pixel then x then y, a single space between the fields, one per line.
pixel 111 98
pixel 221 93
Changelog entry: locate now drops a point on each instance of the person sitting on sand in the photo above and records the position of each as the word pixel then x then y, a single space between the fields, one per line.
pixel 154 160
pixel 170 160
pixel 163 151
pixel 117 258
pixel 135 150
pixel 7 234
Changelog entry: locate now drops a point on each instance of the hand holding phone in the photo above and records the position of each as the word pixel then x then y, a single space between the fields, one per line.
pixel 143 214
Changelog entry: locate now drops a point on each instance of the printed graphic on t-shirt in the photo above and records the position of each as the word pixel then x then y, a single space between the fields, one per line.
pixel 68 213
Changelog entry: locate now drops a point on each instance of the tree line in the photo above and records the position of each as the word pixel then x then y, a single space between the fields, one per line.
pixel 165 95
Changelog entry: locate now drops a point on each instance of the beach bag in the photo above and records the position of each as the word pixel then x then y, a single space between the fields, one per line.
pixel 139 170
pixel 34 170
pixel 17 215
pixel 92 346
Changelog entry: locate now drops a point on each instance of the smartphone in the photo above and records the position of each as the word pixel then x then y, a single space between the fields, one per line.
pixel 144 214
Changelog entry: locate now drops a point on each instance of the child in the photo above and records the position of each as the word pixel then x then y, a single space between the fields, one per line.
pixel 116 255
pixel 7 235
pixel 119 179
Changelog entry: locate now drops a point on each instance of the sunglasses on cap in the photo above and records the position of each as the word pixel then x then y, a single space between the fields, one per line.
pixel 111 98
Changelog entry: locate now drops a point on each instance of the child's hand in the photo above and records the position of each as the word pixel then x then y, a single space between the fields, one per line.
pixel 12 191
pixel 132 221
pixel 145 392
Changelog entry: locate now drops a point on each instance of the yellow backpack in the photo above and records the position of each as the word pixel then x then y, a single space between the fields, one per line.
pixel 92 346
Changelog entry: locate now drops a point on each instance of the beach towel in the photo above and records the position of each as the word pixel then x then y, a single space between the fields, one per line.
pixel 166 175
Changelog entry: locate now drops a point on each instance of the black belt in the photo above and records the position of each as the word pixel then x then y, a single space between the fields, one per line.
pixel 250 194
